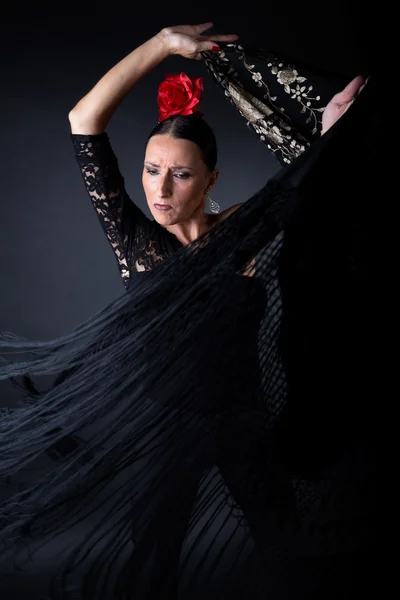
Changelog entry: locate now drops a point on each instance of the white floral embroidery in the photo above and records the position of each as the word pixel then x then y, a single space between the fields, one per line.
pixel 257 78
pixel 268 120
pixel 286 76
pixel 250 107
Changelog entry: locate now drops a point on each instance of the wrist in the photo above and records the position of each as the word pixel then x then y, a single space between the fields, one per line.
pixel 163 40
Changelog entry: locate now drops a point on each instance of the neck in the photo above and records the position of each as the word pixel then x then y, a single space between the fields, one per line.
pixel 192 228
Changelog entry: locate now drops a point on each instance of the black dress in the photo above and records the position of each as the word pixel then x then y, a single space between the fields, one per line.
pixel 228 381
pixel 235 459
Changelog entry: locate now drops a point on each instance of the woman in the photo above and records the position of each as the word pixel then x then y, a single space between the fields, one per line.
pixel 198 367
pixel 190 187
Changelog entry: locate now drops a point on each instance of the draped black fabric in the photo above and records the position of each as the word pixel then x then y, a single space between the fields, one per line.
pixel 213 429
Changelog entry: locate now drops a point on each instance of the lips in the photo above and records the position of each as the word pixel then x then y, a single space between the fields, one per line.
pixel 162 207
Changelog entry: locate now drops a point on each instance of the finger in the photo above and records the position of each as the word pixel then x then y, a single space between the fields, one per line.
pixel 350 91
pixel 221 38
pixel 362 87
pixel 207 46
pixel 203 27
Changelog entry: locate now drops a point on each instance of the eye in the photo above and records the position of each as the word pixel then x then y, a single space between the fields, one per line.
pixel 151 171
pixel 182 175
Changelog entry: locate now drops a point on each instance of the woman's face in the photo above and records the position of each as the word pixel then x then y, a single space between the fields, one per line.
pixel 175 179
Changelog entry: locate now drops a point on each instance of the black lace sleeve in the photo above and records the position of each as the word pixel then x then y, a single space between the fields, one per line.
pixel 124 224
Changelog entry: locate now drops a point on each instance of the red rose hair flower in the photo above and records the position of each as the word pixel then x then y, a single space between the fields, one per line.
pixel 179 95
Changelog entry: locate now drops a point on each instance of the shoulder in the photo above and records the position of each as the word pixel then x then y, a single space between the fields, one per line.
pixel 226 213
pixel 215 219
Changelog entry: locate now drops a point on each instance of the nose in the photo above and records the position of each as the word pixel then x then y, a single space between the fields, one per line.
pixel 165 188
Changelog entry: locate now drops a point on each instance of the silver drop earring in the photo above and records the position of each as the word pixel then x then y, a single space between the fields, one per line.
pixel 214 206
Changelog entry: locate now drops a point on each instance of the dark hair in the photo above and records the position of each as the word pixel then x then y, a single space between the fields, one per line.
pixel 192 128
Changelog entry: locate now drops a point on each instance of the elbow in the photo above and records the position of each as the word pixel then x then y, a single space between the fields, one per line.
pixel 81 124
pixel 72 115
pixel 76 113
pixel 75 119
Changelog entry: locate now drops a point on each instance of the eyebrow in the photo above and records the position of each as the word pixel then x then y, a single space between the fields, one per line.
pixel 147 162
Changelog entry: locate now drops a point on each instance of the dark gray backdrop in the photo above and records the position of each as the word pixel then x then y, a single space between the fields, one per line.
pixel 56 266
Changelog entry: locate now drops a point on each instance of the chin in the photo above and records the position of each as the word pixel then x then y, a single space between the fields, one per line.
pixel 166 219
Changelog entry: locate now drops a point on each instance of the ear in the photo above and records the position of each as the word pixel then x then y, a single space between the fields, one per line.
pixel 212 179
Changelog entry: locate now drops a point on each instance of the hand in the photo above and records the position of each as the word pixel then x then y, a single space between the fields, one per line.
pixel 187 40
pixel 341 102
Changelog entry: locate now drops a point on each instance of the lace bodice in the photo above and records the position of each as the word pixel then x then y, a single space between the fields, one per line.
pixel 137 241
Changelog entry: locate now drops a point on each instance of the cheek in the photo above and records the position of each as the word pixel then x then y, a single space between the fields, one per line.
pixel 192 190
pixel 148 183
